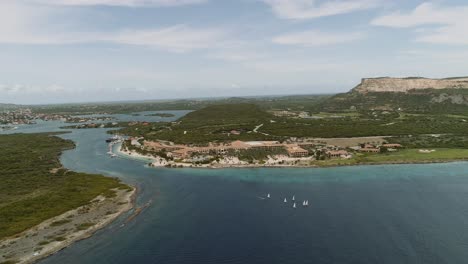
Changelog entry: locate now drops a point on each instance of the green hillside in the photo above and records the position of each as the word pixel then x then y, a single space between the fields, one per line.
pixel 419 101
pixel 226 114
pixel 212 123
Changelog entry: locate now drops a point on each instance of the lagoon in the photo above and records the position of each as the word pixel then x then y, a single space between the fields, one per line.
pixel 361 214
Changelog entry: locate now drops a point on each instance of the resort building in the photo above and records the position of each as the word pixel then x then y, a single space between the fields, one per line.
pixel 184 151
pixel 296 151
pixel 370 150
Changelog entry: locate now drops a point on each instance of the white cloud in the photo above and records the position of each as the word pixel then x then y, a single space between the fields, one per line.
pixel 447 25
pixel 178 38
pixel 316 38
pixel 30 89
pixel 130 3
pixel 308 9
pixel 25 24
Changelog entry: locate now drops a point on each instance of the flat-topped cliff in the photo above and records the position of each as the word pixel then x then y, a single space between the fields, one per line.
pixel 403 85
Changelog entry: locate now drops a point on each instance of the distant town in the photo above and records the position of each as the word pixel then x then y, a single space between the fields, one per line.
pixel 10 119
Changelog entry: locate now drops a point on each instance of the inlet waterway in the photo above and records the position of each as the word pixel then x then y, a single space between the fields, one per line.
pixel 362 214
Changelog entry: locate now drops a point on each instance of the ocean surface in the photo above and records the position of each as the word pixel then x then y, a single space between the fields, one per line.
pixel 363 214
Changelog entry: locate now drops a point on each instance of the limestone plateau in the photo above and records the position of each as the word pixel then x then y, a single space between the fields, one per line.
pixel 404 85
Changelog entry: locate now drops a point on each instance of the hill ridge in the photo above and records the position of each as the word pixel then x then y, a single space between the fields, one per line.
pixel 407 84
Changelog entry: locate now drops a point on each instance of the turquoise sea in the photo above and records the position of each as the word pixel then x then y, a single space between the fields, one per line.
pixel 363 214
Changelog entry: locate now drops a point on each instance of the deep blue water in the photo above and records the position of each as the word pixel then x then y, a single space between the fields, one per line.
pixel 367 214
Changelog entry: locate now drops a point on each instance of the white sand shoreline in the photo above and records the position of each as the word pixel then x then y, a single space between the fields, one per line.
pixel 137 156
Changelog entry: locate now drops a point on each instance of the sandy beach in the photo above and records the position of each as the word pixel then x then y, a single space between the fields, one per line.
pixel 61 231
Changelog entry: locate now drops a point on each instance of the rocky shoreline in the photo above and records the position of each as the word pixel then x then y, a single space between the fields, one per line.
pixel 61 231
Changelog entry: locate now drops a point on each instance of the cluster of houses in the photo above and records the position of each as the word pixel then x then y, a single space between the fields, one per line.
pixel 17 117
pixel 370 148
pixel 75 119
pixel 22 116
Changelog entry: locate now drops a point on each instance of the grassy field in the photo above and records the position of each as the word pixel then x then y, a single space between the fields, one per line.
pixel 34 187
pixel 413 155
pixel 402 156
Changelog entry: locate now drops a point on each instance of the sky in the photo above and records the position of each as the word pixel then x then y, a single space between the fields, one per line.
pixel 62 51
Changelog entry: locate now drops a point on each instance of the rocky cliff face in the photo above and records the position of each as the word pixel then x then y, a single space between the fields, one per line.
pixel 403 85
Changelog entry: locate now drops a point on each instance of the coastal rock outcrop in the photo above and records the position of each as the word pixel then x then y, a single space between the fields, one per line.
pixel 404 85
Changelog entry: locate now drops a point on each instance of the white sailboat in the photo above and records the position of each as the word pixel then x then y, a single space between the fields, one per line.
pixel 294 198
pixel 285 200
pixel 294 205
pixel 307 203
pixel 304 203
pixel 268 195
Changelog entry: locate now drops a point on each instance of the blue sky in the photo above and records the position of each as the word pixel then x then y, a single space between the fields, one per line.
pixel 57 51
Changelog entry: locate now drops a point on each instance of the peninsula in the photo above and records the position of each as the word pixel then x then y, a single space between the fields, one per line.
pixel 45 207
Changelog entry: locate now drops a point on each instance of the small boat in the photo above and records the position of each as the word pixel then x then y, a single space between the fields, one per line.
pixel 113 155
pixel 307 203
pixel 285 200
pixel 268 195
pixel 294 205
pixel 112 139
pixel 294 198
pixel 304 203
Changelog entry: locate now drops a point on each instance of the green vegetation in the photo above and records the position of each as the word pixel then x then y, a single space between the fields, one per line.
pixel 432 141
pixel 60 238
pixel 84 226
pixel 60 222
pixel 293 102
pixel 43 243
pixel 427 101
pixel 33 188
pixel 413 155
pixel 400 157
pixel 257 154
pixel 213 123
pixel 378 125
pixel 226 114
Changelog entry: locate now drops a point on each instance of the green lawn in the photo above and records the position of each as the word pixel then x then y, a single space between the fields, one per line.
pixel 402 156
pixel 409 155
pixel 31 192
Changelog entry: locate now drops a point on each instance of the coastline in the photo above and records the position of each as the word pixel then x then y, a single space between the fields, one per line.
pixel 63 230
pixel 343 163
